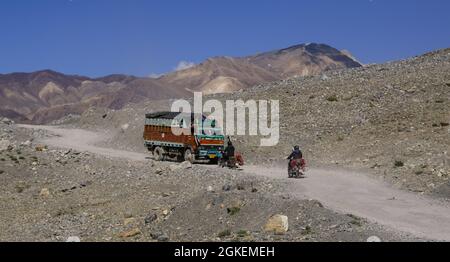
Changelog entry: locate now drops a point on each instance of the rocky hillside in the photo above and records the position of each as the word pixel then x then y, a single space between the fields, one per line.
pixel 43 96
pixel 390 119
pixel 51 194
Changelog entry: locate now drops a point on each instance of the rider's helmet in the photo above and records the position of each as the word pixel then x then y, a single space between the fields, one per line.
pixel 296 147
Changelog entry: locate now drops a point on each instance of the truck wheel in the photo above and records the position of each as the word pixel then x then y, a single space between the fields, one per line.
pixel 158 154
pixel 188 156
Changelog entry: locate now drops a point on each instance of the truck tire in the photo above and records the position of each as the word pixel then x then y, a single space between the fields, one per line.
pixel 188 156
pixel 158 154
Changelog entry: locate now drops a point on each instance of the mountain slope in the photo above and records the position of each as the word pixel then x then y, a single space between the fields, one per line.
pixel 46 95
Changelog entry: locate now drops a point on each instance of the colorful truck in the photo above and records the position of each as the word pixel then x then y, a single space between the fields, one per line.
pixel 185 144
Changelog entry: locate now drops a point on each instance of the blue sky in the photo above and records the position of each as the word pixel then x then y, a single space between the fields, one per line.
pixel 100 37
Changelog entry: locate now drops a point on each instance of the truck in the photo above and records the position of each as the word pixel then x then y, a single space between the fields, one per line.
pixel 186 144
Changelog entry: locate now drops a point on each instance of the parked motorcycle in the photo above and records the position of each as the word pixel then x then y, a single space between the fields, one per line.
pixel 232 162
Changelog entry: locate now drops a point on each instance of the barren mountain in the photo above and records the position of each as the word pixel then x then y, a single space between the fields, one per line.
pixel 43 96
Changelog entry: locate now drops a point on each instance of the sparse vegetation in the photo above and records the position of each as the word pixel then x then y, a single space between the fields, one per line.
pixel 332 98
pixel 399 163
pixel 242 233
pixel 307 231
pixel 233 210
pixel 224 233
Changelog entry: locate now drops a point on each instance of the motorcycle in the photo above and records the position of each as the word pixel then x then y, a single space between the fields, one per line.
pixel 297 168
pixel 232 162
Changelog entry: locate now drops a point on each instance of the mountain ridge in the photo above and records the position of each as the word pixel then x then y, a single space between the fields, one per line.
pixel 46 95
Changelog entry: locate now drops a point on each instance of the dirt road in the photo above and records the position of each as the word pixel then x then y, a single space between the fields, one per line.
pixel 342 191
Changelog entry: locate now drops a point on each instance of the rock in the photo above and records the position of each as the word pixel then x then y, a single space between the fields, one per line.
pixel 163 238
pixel 128 214
pixel 165 212
pixel 73 239
pixel 124 127
pixel 7 121
pixel 4 145
pixel 210 189
pixel 129 221
pixel 218 200
pixel 26 143
pixel 184 165
pixel 277 224
pixel 151 217
pixel 158 171
pixel 44 192
pixel 131 233
pixel 324 77
pixel 373 239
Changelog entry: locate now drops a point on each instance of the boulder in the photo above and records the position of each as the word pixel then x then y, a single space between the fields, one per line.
pixel 4 145
pixel 277 224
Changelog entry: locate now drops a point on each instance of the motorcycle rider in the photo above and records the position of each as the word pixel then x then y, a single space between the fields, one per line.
pixel 295 155
pixel 229 150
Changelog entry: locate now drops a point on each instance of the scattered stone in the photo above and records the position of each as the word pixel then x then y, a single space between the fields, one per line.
pixel 277 224
pixel 44 193
pixel 4 145
pixel 124 127
pixel 186 165
pixel 373 239
pixel 163 238
pixel 210 189
pixel 151 217
pixel 7 121
pixel 73 239
pixel 129 221
pixel 324 77
pixel 130 233
pixel 218 200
